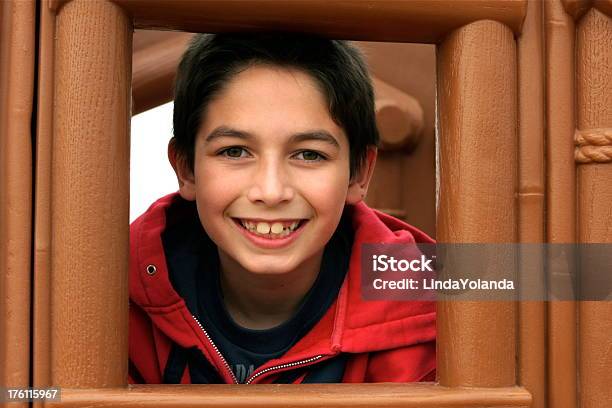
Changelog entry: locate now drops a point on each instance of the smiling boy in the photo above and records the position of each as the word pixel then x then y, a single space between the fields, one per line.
pixel 250 274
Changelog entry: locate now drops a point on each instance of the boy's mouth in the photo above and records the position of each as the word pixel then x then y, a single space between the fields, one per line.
pixel 271 229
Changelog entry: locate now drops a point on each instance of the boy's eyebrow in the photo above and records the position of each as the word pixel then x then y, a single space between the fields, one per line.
pixel 321 135
pixel 222 131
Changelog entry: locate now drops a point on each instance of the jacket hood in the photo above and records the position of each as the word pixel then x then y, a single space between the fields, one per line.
pixel 351 324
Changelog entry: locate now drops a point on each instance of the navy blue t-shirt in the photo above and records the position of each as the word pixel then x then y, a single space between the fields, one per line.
pixel 193 266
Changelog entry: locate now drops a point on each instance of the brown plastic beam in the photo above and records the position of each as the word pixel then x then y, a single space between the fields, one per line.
pixel 561 195
pixel 594 180
pixel 41 343
pixel 153 70
pixel 90 195
pixel 576 8
pixel 425 21
pixel 605 6
pixel 477 99
pixel 399 117
pixel 17 32
pixel 532 315
pixel 361 396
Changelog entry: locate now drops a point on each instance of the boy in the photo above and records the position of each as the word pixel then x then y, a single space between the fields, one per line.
pixel 250 273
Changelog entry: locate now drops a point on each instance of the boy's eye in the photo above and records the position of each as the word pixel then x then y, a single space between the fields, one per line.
pixel 309 155
pixel 234 152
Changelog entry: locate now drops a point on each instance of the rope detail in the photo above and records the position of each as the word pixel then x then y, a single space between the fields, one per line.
pixel 593 146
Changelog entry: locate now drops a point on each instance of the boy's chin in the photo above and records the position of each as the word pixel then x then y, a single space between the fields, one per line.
pixel 268 268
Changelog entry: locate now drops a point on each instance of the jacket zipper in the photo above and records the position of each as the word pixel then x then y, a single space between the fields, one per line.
pixel 281 366
pixel 264 371
pixel 214 346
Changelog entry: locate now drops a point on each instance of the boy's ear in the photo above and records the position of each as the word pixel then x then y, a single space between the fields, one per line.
pixel 358 186
pixel 186 179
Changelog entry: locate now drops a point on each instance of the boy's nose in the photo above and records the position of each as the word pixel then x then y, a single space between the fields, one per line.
pixel 271 185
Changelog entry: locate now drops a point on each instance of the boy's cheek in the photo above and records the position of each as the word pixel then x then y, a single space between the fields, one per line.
pixel 328 194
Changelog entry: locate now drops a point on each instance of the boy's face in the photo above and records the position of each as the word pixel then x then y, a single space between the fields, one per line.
pixel 269 156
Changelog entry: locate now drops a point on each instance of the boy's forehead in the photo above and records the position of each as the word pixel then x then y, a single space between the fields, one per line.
pixel 264 86
pixel 265 100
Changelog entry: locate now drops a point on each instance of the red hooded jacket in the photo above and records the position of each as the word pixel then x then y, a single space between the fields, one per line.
pixel 386 341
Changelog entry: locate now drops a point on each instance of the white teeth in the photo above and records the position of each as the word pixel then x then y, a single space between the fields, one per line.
pixel 263 227
pixel 277 228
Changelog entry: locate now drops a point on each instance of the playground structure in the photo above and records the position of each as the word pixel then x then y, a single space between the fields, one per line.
pixel 524 122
